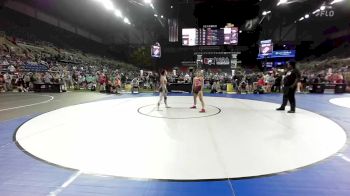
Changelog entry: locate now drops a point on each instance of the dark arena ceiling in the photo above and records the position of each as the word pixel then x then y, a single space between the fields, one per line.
pixel 223 11
pixel 190 13
pixel 145 28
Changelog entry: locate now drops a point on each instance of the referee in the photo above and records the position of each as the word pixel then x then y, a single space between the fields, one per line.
pixel 290 82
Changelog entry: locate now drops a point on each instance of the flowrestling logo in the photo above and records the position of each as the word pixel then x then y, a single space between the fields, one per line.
pixel 325 13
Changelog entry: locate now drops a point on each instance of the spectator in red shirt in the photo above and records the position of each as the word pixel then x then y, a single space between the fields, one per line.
pixel 261 82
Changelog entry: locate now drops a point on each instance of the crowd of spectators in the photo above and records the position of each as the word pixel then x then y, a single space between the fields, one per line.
pixel 249 81
pixel 14 75
pixel 108 78
pixel 24 65
pixel 272 81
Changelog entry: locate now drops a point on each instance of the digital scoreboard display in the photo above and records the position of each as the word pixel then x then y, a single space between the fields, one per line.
pixel 189 37
pixel 266 47
pixel 210 36
pixel 217 36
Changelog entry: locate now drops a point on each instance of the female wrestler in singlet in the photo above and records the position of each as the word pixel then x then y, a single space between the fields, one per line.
pixel 197 89
pixel 163 91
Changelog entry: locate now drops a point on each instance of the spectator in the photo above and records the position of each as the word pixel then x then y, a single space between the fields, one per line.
pixel 216 87
pixel 277 84
pixel 135 85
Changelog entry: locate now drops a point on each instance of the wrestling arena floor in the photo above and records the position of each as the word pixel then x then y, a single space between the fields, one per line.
pixel 82 143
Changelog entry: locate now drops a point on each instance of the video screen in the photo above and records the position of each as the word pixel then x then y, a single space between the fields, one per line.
pixel 156 51
pixel 266 47
pixel 189 37
pixel 210 36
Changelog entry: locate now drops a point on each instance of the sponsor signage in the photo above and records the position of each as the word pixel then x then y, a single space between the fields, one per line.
pixel 279 54
pixel 217 61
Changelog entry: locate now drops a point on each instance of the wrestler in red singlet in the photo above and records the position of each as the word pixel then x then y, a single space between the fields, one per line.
pixel 197 89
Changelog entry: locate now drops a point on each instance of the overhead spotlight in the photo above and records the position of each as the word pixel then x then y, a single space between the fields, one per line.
pixel 155 15
pixel 126 20
pixel 323 7
pixel 302 18
pixel 307 16
pixel 240 31
pixel 162 16
pixel 336 1
pixel 118 13
pixel 147 1
pixel 108 4
pixel 266 13
pixel 282 2
pixel 172 7
pixel 316 11
pixel 152 6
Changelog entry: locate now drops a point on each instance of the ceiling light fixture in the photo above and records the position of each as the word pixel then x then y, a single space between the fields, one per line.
pixel 147 1
pixel 316 11
pixel 126 20
pixel 118 13
pixel 266 13
pixel 336 1
pixel 108 4
pixel 282 2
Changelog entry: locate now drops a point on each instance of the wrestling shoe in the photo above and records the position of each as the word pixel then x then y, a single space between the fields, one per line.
pixel 193 107
pixel 202 111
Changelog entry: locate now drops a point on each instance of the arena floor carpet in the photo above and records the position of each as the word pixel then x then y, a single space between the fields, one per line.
pixel 95 144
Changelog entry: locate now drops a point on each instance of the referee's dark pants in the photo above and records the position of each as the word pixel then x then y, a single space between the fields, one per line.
pixel 289 95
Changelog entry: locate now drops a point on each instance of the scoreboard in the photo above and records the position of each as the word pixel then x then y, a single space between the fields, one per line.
pixel 210 36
